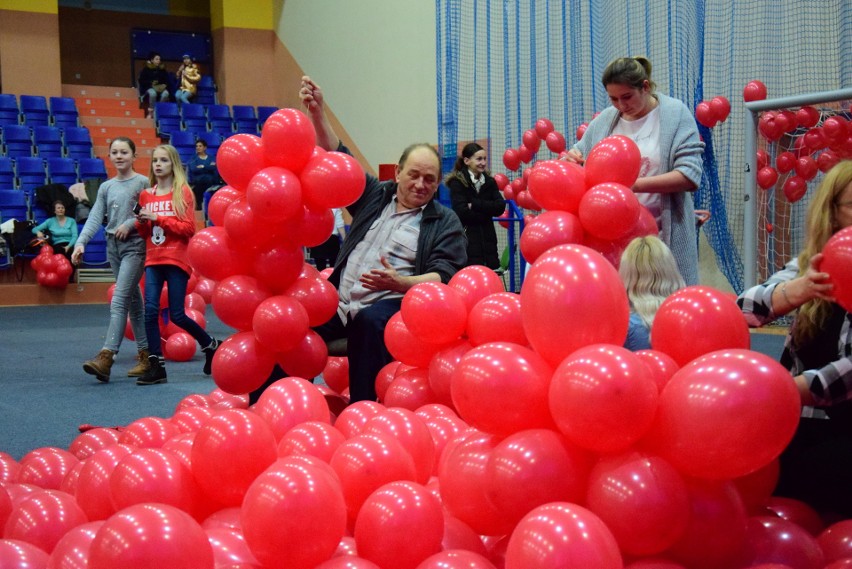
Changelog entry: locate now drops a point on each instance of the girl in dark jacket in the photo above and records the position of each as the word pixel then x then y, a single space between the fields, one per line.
pixel 476 200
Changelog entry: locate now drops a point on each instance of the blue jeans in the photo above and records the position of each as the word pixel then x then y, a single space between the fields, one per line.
pixel 176 278
pixel 182 96
pixel 153 96
pixel 127 260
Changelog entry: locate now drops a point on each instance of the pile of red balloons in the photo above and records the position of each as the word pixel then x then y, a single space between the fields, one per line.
pixel 52 269
pixel 513 158
pixel 591 204
pixel 712 112
pixel 278 200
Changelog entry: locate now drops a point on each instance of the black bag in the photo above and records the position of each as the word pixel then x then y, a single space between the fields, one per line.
pixel 22 240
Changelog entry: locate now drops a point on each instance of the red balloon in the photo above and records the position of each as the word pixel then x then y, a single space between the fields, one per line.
pixel 475 283
pixel 827 160
pixel 557 185
pixel 709 318
pixel 642 499
pixel 573 284
pixel 241 364
pixel 46 467
pixel 404 346
pixel 274 194
pixel 290 401
pixel 502 181
pixel 399 526
pixel 409 389
pixel 762 159
pixel 525 199
pixel 543 127
pixel 511 159
pixel 661 366
pixel 236 298
pixel 288 139
pixel 278 267
pixel 503 376
pixel 614 159
pixel 312 438
pixel 531 139
pixel 313 227
pixel 423 301
pixel 774 540
pixel 72 550
pixel 609 211
pixel 280 323
pixel 555 142
pixel 603 398
pixel 93 483
pixel 835 128
pixel 497 318
pixel 797 512
pixel 767 177
pixel 770 127
pixel 441 368
pixel 229 453
pixel 43 517
pixel 336 373
pixel 318 297
pixel 562 534
pixel 332 180
pixel 581 130
pixel 534 467
pixel 307 358
pixel 526 154
pixel 179 347
pixel 412 433
pixel 836 541
pixel 754 91
pixel 705 115
pixel 756 488
pixel 837 262
pixel 352 420
pixel 148 432
pixel 721 108
pixel 814 139
pixel 219 203
pixel 388 462
pixel 807 117
pixel 88 443
pixel 795 188
pixel 547 230
pixel 204 288
pixel 239 158
pixel 721 434
pixel 214 255
pixel 230 549
pixel 15 553
pixel 153 475
pixel 806 167
pixel 150 535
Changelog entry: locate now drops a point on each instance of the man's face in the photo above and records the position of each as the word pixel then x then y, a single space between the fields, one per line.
pixel 418 178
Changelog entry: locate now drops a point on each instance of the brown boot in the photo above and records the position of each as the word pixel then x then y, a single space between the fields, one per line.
pixel 142 366
pixel 100 365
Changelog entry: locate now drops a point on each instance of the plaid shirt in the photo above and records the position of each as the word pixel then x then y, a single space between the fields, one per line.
pixel 830 384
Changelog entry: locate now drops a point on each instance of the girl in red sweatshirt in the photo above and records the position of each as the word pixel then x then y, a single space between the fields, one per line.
pixel 166 220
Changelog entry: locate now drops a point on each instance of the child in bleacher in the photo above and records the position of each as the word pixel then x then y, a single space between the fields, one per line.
pixel 167 222
pixel 126 254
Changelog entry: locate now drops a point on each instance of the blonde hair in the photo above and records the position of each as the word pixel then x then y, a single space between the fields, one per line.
pixel 820 225
pixel 180 187
pixel 649 273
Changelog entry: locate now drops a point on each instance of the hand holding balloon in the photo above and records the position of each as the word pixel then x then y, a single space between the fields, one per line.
pixel 813 284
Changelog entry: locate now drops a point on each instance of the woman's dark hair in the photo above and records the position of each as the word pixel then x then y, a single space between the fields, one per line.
pixel 202 141
pixel 154 54
pixel 469 150
pixel 631 71
pixel 126 140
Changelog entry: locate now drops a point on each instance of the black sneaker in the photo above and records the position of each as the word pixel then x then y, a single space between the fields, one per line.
pixel 208 356
pixel 156 372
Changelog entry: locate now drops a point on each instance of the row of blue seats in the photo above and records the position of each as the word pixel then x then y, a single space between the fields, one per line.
pixel 225 120
pixel 29 172
pixel 34 110
pixel 46 141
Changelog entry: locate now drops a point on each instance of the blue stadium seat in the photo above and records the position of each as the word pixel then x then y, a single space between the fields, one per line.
pixel 92 168
pixel 34 110
pixel 7 173
pixel 13 205
pixel 166 118
pixel 245 119
pixel 48 141
pixel 212 139
pixel 194 116
pixel 63 111
pixel 17 140
pixel 206 91
pixel 263 113
pixel 62 171
pixel 78 142
pixel 184 142
pixel 9 111
pixel 95 253
pixel 31 173
pixel 219 117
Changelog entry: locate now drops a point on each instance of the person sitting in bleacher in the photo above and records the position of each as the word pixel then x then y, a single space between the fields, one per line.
pixel 60 231
pixel 153 83
pixel 202 172
pixel 188 77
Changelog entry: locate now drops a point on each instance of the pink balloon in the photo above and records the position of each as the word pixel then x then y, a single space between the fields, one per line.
pixel 288 139
pixel 661 366
pixel 230 548
pixel 239 158
pixel 289 402
pixel 420 304
pixel 614 159
pixel 220 202
pixel 313 227
pixel 332 180
pixel 15 553
pixel 275 194
pixel 93 483
pixel 313 438
pixel 561 534
pixel 708 317
pixel 572 284
pixel 721 434
pixel 88 443
pixel 148 432
pixel 456 559
pixel 150 535
pixel 603 398
pixel 43 517
pixel 46 467
pixel 72 550
pixel 153 475
pixel 399 525
pixel 548 230
pixel 352 420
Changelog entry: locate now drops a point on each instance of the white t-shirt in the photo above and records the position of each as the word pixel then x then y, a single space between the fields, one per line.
pixel 645 132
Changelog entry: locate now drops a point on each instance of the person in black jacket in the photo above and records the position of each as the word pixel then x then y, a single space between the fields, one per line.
pixel 400 236
pixel 153 83
pixel 476 200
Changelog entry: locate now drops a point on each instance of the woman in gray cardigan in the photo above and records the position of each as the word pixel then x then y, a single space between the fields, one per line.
pixel 665 131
